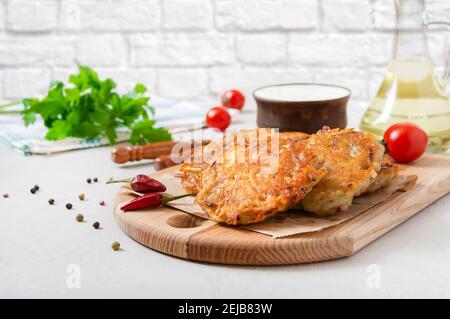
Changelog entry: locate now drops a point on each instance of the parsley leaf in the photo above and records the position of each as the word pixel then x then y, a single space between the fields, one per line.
pixel 145 132
pixel 90 108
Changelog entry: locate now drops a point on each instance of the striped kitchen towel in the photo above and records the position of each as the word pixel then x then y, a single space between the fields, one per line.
pixel 175 116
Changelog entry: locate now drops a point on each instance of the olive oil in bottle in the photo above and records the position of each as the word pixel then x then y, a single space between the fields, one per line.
pixel 410 92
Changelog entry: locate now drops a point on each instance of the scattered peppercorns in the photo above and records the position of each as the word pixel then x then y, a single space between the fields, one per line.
pixel 81 196
pixel 115 245
pixel 95 179
pixel 96 225
pixel 102 203
pixel 5 195
pixel 79 218
pixel 69 206
pixel 51 201
pixel 89 180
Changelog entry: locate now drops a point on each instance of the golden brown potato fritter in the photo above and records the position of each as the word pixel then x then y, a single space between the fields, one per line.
pixel 239 188
pixel 352 160
pixel 386 174
pixel 320 173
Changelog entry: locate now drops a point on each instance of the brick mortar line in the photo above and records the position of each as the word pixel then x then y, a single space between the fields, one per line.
pixel 71 37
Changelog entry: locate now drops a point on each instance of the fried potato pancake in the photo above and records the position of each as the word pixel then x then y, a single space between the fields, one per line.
pixel 339 164
pixel 386 174
pixel 191 171
pixel 352 160
pixel 253 175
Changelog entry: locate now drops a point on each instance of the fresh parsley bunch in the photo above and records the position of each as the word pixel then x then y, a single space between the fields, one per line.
pixel 90 108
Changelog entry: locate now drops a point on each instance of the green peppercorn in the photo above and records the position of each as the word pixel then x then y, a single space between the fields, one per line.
pixel 96 225
pixel 79 218
pixel 69 206
pixel 115 245
pixel 51 201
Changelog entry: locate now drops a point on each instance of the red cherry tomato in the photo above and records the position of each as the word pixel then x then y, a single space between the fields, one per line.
pixel 405 142
pixel 233 99
pixel 218 117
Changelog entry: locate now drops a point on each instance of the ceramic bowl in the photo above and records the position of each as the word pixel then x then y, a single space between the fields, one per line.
pixel 303 107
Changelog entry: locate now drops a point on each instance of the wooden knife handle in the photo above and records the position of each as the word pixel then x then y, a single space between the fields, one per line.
pixel 162 162
pixel 123 154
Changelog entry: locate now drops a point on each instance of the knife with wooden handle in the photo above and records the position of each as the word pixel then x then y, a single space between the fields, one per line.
pixel 162 162
pixel 122 154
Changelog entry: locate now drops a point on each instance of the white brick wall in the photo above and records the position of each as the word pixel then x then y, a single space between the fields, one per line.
pixel 187 14
pixel 195 49
pixel 31 16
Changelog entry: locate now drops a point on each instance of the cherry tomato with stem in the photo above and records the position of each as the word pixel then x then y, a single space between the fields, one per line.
pixel 233 99
pixel 405 142
pixel 218 117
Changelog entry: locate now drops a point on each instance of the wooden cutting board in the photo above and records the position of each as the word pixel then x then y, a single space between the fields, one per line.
pixel 182 235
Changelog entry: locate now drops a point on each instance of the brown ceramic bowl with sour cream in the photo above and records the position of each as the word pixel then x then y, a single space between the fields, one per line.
pixel 302 107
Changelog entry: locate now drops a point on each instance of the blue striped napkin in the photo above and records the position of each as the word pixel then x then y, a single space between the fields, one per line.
pixel 175 116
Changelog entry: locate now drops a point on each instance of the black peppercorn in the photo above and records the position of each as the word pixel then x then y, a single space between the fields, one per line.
pixel 89 180
pixel 36 187
pixel 5 195
pixel 95 179
pixel 33 190
pixel 51 201
pixel 96 225
pixel 69 206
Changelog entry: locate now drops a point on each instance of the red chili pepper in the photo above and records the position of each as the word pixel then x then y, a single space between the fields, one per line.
pixel 152 200
pixel 143 184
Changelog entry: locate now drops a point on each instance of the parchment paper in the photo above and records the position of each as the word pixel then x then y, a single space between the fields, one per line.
pixel 294 221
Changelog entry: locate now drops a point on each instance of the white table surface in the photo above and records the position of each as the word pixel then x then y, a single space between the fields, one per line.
pixel 38 242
